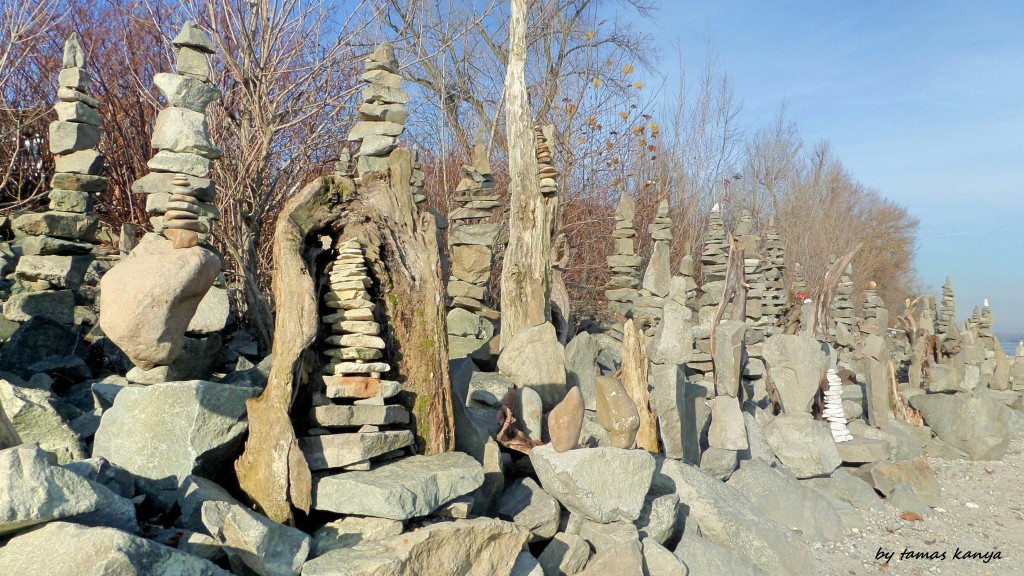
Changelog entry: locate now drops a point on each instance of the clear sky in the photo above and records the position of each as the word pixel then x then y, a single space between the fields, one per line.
pixel 922 100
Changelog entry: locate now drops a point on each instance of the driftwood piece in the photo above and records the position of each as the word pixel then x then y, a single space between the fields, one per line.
pixel 634 373
pixel 918 340
pixel 898 403
pixel 509 435
pixel 272 470
pixel 819 320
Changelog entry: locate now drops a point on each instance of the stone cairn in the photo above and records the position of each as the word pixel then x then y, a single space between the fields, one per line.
pixel 382 114
pixel 545 171
pixel 355 399
pixel 180 192
pixel 841 316
pixel 418 178
pixel 773 266
pixel 947 317
pixel 657 279
pixel 625 264
pixel 834 408
pixel 714 263
pixel 471 322
pixel 57 245
pixel 874 306
pixel 756 281
pixel 799 281
pixel 986 337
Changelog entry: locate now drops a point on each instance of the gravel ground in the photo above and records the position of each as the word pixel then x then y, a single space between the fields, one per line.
pixel 981 511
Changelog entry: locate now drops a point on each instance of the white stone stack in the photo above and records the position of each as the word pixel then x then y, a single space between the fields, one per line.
pixel 356 403
pixel 834 408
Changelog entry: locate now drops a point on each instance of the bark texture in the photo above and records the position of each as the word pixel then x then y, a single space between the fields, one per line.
pixel 634 380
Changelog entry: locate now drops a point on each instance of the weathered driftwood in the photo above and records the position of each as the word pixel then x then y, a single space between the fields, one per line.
pixel 401 246
pixel 898 402
pixel 918 340
pixel 526 267
pixel 634 373
pixel 818 326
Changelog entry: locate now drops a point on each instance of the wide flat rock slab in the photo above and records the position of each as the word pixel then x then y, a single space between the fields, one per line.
pixel 337 450
pixel 337 416
pixel 862 450
pixel 411 487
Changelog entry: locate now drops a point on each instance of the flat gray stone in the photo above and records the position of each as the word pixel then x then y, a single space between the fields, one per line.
pixel 534 358
pixel 340 416
pixel 978 426
pixel 194 492
pixel 81 162
pixel 795 366
pixel 659 561
pixel 916 473
pixel 66 137
pixel 599 484
pixel 183 131
pixel 803 444
pixel 701 556
pixel 400 490
pixel 338 450
pixel 254 541
pixel 64 549
pixel 70 226
pixel 581 366
pixel 727 428
pixel 57 271
pixel 57 305
pixel 658 517
pixel 185 91
pixel 183 162
pixel 36 419
pixel 351 530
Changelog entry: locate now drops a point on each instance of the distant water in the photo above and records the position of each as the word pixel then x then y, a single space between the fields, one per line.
pixel 1009 346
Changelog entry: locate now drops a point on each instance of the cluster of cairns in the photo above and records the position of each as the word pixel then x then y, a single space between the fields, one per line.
pixel 56 246
pixel 618 453
pixel 472 236
pixel 382 114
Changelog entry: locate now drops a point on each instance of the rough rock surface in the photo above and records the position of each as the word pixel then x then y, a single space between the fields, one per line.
pixel 528 505
pixel 978 426
pixel 534 358
pixel 795 366
pixel 803 444
pixel 253 541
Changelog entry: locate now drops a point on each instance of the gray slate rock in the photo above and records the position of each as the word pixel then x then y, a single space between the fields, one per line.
pixel 599 484
pixel 978 426
pixel 581 366
pixel 407 488
pixel 254 541
pixel 803 444
pixel 659 561
pixel 534 358
pixel 658 517
pixel 351 530
pixel 63 549
pixel 165 432
pixel 701 556
pixel 795 366
pixel 56 305
pixel 528 505
pixel 194 492
pixel 848 488
pixel 565 555
pixel 904 499
pixel 35 418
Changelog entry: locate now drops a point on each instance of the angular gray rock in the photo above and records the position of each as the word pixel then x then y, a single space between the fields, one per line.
pixel 400 490
pixel 658 517
pixel 803 444
pixel 478 547
pixel 729 519
pixel 351 530
pixel 528 505
pixel 194 492
pixel 254 541
pixel 701 556
pixel 165 432
pixel 978 426
pixel 728 356
pixel 848 488
pixel 581 366
pixel 659 561
pixel 727 428
pixel 35 418
pixel 565 555
pixel 64 549
pixel 535 359
pixel 582 482
pixel 795 367
pixel 904 499
pixel 916 473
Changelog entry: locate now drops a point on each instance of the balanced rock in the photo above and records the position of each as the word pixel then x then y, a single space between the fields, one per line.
pixel 566 420
pixel 616 412
pixel 534 358
pixel 148 300
pixel 795 366
pixel 803 444
pixel 600 484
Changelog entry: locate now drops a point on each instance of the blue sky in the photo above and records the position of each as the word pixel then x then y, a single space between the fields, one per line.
pixel 923 101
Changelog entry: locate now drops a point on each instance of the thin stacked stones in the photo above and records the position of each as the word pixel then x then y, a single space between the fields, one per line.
pixel 545 171
pixel 657 279
pixel 382 114
pixel 834 408
pixel 347 433
pixel 773 266
pixel 985 335
pixel 180 193
pixel 714 264
pixel 841 314
pixel 947 317
pixel 418 178
pixel 874 306
pixel 57 245
pixel 471 322
pixel 624 263
pixel 757 282
pixel 799 281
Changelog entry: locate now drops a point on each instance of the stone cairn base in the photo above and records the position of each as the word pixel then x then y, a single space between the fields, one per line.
pixel 834 408
pixel 347 419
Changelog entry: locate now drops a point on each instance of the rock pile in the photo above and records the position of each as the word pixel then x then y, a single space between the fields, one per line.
pixel 545 171
pixel 179 191
pixel 382 114
pixel 757 282
pixel 625 264
pixel 657 279
pixel 471 321
pixel 57 245
pixel 834 413
pixel 773 266
pixel 840 313
pixel 874 306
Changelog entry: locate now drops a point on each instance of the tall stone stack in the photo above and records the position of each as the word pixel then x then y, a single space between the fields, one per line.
pixel 382 114
pixel 773 266
pixel 947 316
pixel 657 279
pixel 874 306
pixel 757 282
pixel 834 414
pixel 471 322
pixel 179 190
pixel 799 281
pixel 545 171
pixel 714 264
pixel 622 290
pixel 356 403
pixel 57 245
pixel 986 337
pixel 841 313
pixel 418 178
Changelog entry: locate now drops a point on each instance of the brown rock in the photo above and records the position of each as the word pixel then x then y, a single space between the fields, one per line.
pixel 616 412
pixel 566 420
pixel 148 300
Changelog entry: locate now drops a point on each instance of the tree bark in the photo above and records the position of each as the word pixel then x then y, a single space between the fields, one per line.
pixel 526 267
pixel 634 380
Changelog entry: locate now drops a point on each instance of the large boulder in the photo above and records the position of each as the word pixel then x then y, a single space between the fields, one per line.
pixel 916 473
pixel 803 444
pixel 978 426
pixel 400 490
pixel 792 504
pixel 701 556
pixel 148 300
pixel 727 518
pixel 63 549
pixel 255 542
pixel 581 366
pixel 33 490
pixel 35 418
pixel 478 547
pixel 795 367
pixel 534 358
pixel 165 432
pixel 600 484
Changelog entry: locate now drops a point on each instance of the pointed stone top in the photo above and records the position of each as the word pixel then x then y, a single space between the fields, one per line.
pixel 985 303
pixel 716 208
pixel 949 282
pixel 74 56
pixel 663 209
pixel 686 266
pixel 383 58
pixel 192 36
pixel 627 207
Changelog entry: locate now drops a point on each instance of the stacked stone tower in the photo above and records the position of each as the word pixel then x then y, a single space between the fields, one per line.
pixel 624 263
pixel 874 306
pixel 382 114
pixel 773 266
pixel 657 279
pixel 57 245
pixel 947 316
pixel 471 322
pixel 355 402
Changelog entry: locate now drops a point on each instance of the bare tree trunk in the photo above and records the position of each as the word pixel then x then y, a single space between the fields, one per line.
pixel 634 380
pixel 526 267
